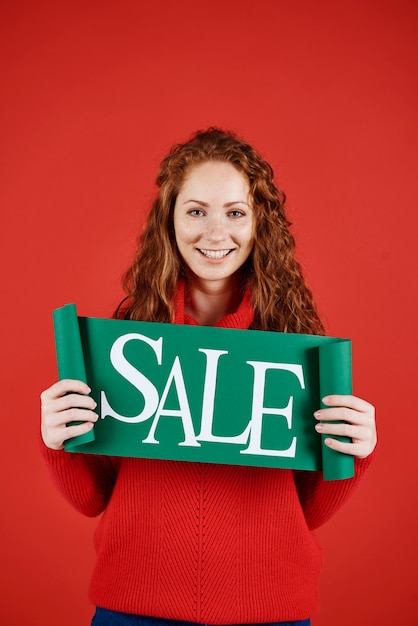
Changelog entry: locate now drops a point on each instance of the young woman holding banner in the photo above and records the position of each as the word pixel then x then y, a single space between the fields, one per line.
pixel 203 543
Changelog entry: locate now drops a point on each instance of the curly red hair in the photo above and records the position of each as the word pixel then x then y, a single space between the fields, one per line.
pixel 280 297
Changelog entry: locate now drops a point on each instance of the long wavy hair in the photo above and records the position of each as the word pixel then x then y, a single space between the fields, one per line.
pixel 280 297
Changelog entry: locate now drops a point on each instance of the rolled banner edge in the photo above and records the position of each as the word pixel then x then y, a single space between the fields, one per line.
pixel 70 360
pixel 335 377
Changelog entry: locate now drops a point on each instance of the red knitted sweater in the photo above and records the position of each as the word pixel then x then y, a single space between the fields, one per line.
pixel 214 544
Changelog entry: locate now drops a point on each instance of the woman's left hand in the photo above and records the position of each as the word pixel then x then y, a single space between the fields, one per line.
pixel 356 420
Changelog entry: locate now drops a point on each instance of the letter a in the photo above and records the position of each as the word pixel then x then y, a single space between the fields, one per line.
pixel 175 375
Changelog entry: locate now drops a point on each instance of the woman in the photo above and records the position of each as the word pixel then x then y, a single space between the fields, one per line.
pixel 198 542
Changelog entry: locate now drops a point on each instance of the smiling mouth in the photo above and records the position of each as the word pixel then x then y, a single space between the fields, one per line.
pixel 215 254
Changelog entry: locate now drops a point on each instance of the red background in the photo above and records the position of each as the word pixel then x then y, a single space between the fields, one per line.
pixel 93 94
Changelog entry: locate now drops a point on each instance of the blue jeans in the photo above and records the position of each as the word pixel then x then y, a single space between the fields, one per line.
pixel 103 617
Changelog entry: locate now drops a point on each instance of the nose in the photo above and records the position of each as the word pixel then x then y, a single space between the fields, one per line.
pixel 215 229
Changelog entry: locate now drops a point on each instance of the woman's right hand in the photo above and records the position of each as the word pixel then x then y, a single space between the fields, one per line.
pixel 64 402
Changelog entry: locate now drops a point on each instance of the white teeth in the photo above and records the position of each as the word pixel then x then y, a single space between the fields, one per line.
pixel 215 254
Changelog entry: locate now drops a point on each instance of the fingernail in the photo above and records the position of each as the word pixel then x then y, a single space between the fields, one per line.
pixel 318 427
pixel 317 414
pixel 326 399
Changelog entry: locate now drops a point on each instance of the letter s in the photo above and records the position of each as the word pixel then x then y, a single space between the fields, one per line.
pixel 136 378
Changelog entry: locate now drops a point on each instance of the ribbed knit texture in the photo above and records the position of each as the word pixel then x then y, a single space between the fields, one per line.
pixel 205 543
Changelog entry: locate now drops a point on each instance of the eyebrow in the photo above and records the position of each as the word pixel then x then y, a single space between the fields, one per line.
pixel 227 205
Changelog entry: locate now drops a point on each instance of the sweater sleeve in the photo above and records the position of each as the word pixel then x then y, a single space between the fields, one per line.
pixel 86 481
pixel 321 499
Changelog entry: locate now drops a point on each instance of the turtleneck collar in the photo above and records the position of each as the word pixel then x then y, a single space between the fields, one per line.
pixel 241 319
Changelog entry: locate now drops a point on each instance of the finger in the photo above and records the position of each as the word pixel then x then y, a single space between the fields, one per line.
pixel 63 387
pixel 341 430
pixel 359 450
pixel 75 430
pixel 55 439
pixel 341 414
pixel 351 402
pixel 73 400
pixel 62 418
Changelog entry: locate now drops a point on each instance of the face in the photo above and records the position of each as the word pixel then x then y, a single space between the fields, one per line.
pixel 213 222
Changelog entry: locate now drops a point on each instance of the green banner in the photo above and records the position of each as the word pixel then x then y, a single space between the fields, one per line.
pixel 197 393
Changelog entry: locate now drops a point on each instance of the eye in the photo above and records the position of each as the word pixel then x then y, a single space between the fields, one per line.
pixel 236 213
pixel 195 212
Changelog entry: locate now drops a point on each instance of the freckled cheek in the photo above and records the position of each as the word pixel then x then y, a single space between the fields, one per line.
pixel 187 236
pixel 246 236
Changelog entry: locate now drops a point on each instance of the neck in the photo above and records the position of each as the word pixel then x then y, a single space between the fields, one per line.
pixel 209 301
